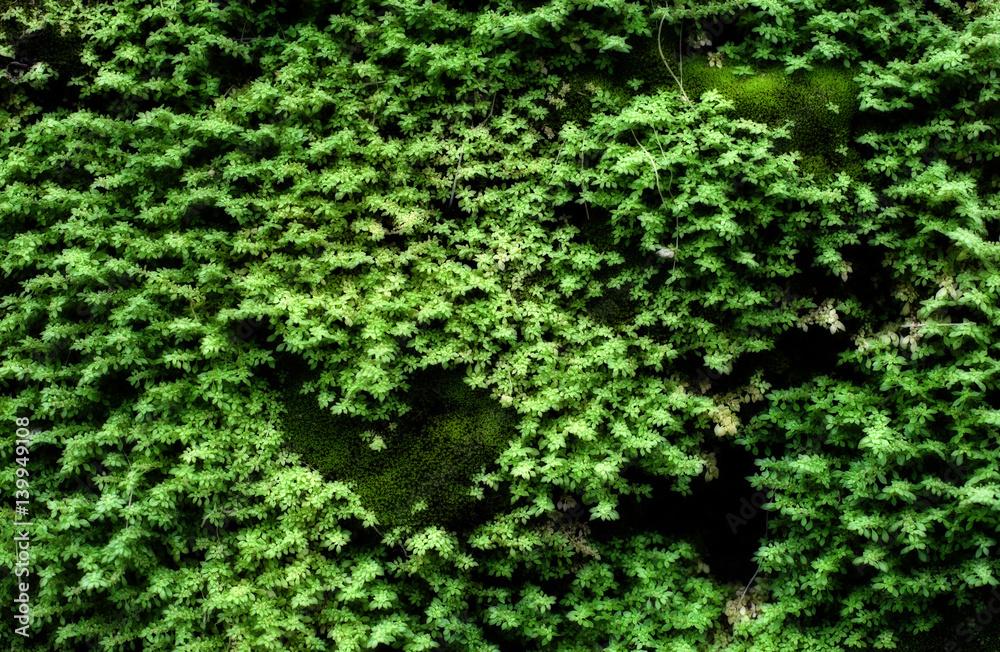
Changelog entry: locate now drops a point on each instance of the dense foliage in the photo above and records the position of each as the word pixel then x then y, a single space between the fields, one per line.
pixel 342 326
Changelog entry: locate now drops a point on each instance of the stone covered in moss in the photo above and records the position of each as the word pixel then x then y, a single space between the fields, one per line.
pixel 821 105
pixel 429 455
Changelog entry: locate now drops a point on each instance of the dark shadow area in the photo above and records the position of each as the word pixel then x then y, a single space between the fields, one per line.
pixel 799 356
pixel 709 517
pixel 972 628
pixel 209 216
pixel 60 51
pixel 91 643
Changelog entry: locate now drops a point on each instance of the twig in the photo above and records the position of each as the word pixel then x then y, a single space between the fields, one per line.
pixel 405 554
pixel 766 534
pixel 656 171
pixel 490 113
pixel 660 145
pixel 964 323
pixel 19 66
pixel 664 201
pixel 454 181
pixel 585 206
pixel 680 54
pixel 131 487
pixel 659 46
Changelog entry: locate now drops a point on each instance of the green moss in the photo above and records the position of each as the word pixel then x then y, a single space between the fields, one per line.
pixel 534 285
pixel 772 96
pixel 821 105
pixel 430 454
pixel 615 308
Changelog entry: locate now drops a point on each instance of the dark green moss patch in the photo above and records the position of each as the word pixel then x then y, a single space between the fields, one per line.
pixel 821 104
pixel 585 92
pixel 425 458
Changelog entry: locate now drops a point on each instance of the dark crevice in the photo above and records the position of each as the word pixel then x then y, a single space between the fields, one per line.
pixel 710 517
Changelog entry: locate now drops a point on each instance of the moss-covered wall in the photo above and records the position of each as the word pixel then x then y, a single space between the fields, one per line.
pixel 430 454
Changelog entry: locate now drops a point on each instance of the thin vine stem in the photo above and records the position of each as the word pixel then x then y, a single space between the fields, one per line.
pixel 767 536
pixel 656 171
pixel 659 45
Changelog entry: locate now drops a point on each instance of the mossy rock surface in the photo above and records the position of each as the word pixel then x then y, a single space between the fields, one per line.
pixel 62 52
pixel 822 103
pixel 428 455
